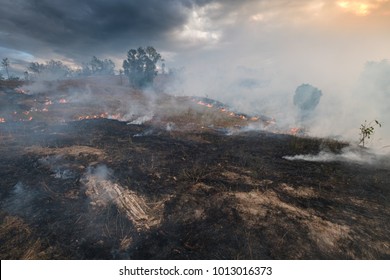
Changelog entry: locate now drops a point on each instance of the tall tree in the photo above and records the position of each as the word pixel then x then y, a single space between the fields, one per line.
pixel 36 67
pixel 5 64
pixel 140 66
pixel 57 69
pixel 98 67
pixel 53 69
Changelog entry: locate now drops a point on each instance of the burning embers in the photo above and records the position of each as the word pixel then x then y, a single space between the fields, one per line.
pixel 18 117
pixel 205 104
pixel 38 107
pixel 257 122
pixel 215 115
pixel 92 117
pixel 297 131
pixel 21 91
pixel 104 115
pixel 210 103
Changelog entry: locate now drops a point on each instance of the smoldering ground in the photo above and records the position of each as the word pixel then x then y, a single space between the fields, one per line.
pixel 100 192
pixel 339 114
pixel 351 154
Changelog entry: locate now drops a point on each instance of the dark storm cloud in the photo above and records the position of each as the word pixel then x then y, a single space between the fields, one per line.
pixel 75 27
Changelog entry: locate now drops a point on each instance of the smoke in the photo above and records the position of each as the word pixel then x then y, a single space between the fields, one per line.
pixel 23 201
pixel 142 119
pixel 352 154
pixel 268 48
pixel 60 168
pixel 368 100
pixel 249 54
pixel 349 96
pixel 252 55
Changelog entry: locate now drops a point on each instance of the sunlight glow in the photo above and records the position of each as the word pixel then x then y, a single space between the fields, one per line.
pixel 361 8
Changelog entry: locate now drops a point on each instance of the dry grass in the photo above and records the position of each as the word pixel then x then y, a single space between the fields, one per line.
pixel 20 240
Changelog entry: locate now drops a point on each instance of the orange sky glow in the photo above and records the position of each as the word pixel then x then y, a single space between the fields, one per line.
pixel 361 8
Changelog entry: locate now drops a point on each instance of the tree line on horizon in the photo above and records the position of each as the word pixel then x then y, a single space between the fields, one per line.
pixel 140 68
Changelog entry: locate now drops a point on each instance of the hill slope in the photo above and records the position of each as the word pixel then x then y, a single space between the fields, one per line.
pixel 164 180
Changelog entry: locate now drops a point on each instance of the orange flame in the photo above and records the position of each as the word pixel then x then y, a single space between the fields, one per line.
pixel 91 117
pixel 295 130
pixel 114 117
pixel 200 102
pixel 21 91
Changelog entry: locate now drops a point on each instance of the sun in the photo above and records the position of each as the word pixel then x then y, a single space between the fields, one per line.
pixel 361 8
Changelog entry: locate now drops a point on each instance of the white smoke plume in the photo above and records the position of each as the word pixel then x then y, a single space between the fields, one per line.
pixel 356 155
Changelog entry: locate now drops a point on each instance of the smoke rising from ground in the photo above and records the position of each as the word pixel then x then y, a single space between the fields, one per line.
pixel 20 201
pixel 348 154
pixel 251 55
pixel 265 51
pixel 350 95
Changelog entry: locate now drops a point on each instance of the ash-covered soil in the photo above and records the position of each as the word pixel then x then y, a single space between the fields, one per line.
pixel 102 189
pixel 180 187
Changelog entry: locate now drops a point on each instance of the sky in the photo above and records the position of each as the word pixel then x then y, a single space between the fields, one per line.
pixel 249 53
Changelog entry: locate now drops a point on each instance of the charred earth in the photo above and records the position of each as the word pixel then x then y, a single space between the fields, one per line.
pixel 164 177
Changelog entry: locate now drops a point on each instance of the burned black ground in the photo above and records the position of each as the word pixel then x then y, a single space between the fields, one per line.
pixel 205 195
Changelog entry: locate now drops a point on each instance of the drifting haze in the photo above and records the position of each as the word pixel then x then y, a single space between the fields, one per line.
pixel 249 54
